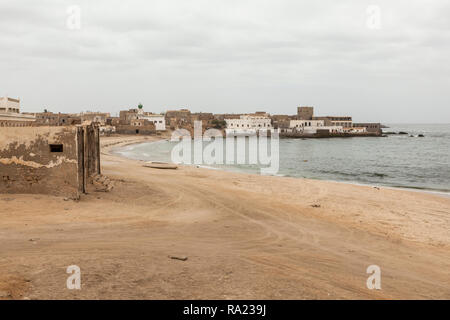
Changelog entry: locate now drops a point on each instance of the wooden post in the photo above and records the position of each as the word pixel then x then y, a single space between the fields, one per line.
pixel 80 157
pixel 97 141
pixel 86 157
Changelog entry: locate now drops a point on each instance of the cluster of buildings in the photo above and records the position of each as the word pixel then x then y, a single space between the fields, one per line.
pixel 59 153
pixel 136 121
pixel 132 121
pixel 249 123
pixel 304 123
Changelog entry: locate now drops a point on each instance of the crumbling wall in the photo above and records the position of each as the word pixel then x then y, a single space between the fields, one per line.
pixel 136 130
pixel 39 160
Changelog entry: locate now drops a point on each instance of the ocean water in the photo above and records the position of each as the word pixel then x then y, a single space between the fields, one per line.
pixel 395 161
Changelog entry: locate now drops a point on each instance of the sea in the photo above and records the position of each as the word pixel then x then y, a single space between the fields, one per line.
pixel 398 161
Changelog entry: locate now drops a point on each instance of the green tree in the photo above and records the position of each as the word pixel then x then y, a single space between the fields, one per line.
pixel 140 106
pixel 218 124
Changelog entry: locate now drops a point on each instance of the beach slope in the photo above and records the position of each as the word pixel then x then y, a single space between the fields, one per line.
pixel 195 233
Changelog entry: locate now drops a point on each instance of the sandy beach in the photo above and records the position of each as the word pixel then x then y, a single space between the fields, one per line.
pixel 244 237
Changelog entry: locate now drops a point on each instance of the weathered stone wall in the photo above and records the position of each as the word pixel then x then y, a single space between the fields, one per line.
pixel 370 127
pixel 305 113
pixel 136 130
pixel 39 160
pixel 48 160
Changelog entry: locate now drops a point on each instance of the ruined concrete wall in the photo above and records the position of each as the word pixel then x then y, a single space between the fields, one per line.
pixel 39 160
pixel 136 130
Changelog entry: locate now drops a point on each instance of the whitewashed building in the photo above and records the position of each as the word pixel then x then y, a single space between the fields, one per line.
pixel 356 130
pixel 249 124
pixel 10 110
pixel 157 119
pixel 311 126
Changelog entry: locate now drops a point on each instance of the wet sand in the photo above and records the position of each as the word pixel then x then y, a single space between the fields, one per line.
pixel 244 236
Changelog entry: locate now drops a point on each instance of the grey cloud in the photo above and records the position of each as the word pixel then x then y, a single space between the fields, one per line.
pixel 284 53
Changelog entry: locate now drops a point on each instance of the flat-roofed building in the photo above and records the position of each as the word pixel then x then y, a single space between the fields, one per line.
pixel 313 126
pixel 370 127
pixel 10 105
pixel 305 113
pixel 56 119
pixel 157 119
pixel 249 123
pixel 136 121
pixel 306 126
pixel 10 111
pixel 342 121
pixel 183 115
pixel 128 115
pixel 98 117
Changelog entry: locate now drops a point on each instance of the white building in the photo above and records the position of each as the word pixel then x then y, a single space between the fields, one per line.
pixel 306 126
pixel 311 126
pixel 157 119
pixel 249 124
pixel 107 129
pixel 355 130
pixel 345 122
pixel 10 110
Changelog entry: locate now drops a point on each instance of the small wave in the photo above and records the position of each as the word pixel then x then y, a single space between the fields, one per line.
pixel 340 173
pixel 379 175
pixel 433 190
pixel 356 174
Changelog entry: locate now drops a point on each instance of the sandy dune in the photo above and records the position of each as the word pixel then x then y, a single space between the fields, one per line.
pixel 245 237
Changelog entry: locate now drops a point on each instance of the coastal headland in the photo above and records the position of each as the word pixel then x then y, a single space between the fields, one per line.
pixel 195 233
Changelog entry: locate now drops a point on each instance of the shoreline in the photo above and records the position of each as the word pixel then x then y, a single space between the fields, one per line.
pixel 440 193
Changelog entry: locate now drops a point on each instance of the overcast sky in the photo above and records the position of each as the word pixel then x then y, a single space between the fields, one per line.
pixel 230 56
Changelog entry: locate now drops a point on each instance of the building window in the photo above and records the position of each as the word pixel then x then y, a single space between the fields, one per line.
pixel 56 148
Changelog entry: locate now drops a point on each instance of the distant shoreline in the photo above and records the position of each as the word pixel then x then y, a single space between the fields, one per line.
pixel 115 150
